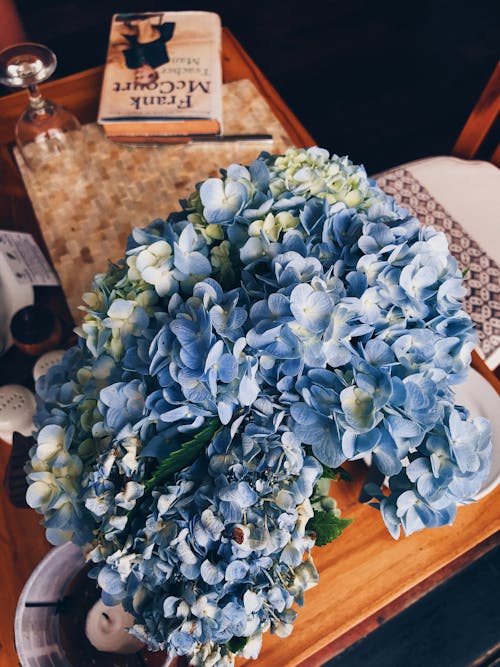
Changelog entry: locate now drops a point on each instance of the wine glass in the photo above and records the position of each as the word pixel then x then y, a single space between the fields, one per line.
pixel 45 128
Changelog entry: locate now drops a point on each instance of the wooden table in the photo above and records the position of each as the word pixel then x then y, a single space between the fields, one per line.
pixel 365 575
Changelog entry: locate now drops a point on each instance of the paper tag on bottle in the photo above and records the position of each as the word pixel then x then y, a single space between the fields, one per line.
pixel 25 259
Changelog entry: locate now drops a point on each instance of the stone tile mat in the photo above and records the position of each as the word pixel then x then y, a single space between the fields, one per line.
pixel 89 197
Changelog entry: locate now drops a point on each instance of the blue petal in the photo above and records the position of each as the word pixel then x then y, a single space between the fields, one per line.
pixel 236 570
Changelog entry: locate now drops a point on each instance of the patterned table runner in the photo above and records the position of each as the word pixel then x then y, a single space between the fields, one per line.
pixel 482 279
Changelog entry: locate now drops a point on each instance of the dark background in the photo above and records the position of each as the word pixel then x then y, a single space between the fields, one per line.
pixel 385 82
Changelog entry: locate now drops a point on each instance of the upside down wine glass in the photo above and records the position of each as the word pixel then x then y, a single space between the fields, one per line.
pixel 45 128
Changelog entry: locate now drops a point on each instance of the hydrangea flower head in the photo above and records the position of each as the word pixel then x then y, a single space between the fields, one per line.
pixel 289 318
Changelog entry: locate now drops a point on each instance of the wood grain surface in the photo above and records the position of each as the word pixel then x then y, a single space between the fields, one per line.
pixel 22 546
pixel 363 572
pixel 481 121
pixel 448 627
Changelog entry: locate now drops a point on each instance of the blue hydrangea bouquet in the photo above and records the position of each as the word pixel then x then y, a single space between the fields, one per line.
pixel 290 318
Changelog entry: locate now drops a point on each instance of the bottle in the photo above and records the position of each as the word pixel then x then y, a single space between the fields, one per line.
pixel 35 330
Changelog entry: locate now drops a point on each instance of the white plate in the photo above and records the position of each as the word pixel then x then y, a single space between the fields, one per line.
pixel 482 400
pixel 13 297
pixel 479 397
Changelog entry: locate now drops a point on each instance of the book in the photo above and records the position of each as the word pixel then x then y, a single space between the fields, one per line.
pixel 259 137
pixel 163 76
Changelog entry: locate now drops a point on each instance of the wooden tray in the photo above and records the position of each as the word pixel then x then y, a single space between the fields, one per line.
pixel 365 576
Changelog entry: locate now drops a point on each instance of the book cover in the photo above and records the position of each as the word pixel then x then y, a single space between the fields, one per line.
pixel 163 75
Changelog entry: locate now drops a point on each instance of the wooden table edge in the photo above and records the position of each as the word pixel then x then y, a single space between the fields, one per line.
pixel 399 604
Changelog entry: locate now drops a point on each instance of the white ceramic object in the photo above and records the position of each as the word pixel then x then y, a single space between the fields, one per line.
pixel 17 407
pixel 45 362
pixel 479 397
pixel 106 629
pixel 13 296
pixel 36 629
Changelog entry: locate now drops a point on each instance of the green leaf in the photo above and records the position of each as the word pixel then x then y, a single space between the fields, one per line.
pixel 182 457
pixel 338 474
pixel 177 460
pixel 327 527
pixel 235 644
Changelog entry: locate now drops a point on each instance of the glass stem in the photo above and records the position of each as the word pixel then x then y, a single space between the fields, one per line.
pixel 36 100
